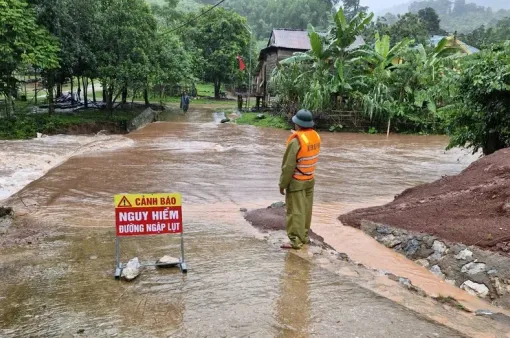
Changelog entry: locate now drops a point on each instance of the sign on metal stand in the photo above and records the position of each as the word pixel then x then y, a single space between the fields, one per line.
pixel 148 214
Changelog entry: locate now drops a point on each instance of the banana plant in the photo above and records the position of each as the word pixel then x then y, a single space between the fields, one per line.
pixel 381 62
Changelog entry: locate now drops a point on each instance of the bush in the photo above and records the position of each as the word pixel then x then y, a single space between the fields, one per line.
pixel 480 115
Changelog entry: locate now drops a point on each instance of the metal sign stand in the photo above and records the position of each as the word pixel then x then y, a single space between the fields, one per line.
pixel 120 266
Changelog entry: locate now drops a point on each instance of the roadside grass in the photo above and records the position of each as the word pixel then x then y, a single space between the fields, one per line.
pixel 269 121
pixel 24 126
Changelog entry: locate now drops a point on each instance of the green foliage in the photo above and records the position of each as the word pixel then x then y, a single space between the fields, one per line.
pixel 264 15
pixel 460 16
pixel 316 78
pixel 483 36
pixel 431 20
pixel 25 126
pixel 274 121
pixel 335 127
pixel 387 81
pixel 125 46
pixel 216 42
pixel 372 130
pixel 22 43
pixel 479 113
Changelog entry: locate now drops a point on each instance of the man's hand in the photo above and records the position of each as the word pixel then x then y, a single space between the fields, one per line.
pixel 282 191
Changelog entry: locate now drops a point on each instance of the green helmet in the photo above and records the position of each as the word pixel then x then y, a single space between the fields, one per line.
pixel 303 118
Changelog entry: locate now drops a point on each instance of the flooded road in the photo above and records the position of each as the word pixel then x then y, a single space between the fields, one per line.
pixel 238 283
pixel 23 161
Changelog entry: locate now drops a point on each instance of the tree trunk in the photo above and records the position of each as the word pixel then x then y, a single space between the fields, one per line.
pixel 124 95
pixel 109 99
pixel 389 125
pixel 51 86
pixel 59 90
pixel 146 97
pixel 72 91
pixel 105 95
pixel 93 91
pixel 35 90
pixel 85 82
pixel 9 110
pixel 78 91
pixel 217 86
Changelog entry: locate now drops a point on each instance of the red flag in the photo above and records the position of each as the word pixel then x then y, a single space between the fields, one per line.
pixel 242 66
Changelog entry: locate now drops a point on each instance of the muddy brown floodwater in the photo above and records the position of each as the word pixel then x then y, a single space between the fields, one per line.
pixel 238 283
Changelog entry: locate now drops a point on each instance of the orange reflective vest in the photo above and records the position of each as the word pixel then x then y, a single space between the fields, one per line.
pixel 308 154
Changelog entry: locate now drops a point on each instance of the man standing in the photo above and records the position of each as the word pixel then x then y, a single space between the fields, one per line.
pixel 297 180
pixel 185 102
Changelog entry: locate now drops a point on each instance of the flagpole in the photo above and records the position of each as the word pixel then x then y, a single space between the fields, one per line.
pixel 250 70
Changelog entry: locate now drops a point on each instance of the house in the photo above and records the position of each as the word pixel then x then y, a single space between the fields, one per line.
pixel 454 42
pixel 282 44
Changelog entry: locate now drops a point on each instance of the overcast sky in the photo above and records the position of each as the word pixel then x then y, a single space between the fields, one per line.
pixel 382 4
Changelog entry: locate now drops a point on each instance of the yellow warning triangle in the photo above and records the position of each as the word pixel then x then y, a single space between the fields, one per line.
pixel 124 203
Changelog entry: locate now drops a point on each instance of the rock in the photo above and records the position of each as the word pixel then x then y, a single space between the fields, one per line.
pixel 342 256
pixel 464 255
pixel 132 269
pixel 405 282
pixel 80 331
pixel 5 211
pixel 39 135
pixel 167 261
pixel 475 289
pixel 243 210
pixel 390 241
pixel 482 312
pixel 435 257
pixel 383 230
pixel 439 247
pixel 261 116
pixel 93 257
pixel 102 133
pixel 492 272
pixel 501 290
pixel 277 205
pixel 225 120
pixel 411 247
pixel 424 251
pixel 473 268
pixel 436 270
pixel 393 277
pixel 423 262
pixel 451 282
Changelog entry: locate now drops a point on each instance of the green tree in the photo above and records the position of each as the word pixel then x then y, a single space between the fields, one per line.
pixel 219 39
pixel 22 42
pixel 409 26
pixel 479 114
pixel 264 15
pixel 383 95
pixel 124 43
pixel 431 20
pixel 353 7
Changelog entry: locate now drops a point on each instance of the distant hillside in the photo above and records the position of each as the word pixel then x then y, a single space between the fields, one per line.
pixel 404 6
pixel 184 5
pixel 462 18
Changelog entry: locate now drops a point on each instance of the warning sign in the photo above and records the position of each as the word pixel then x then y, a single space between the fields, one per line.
pixel 148 214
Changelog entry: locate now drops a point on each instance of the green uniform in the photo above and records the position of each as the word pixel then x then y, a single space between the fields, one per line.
pixel 299 198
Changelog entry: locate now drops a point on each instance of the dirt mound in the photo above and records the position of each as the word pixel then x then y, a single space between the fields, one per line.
pixel 272 219
pixel 472 208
